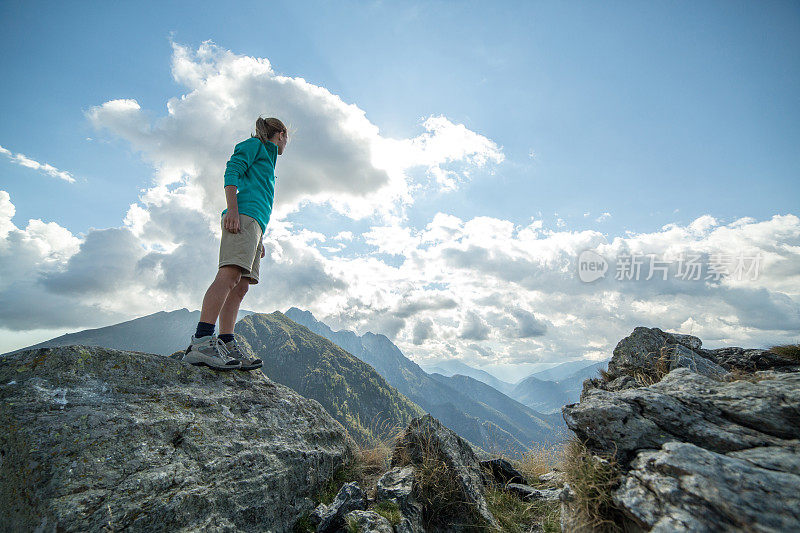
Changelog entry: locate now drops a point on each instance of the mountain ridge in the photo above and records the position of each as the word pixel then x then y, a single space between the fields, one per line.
pixel 475 421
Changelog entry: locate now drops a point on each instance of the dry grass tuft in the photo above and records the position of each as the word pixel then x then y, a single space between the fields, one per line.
pixel 739 374
pixel 789 351
pixel 592 481
pixel 659 369
pixel 517 516
pixel 540 459
pixel 374 460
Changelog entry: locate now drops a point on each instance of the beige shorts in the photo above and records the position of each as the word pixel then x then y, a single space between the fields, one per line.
pixel 242 249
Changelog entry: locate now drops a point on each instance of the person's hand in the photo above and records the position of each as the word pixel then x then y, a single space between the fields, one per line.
pixel 262 248
pixel 231 221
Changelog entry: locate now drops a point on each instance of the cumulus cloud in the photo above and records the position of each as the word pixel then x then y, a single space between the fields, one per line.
pixel 25 161
pixel 528 325
pixel 474 328
pixel 423 329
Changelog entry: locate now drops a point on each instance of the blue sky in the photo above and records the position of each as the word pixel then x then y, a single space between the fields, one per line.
pixel 655 114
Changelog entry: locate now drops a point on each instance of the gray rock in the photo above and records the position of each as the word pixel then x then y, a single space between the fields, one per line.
pixel 406 525
pixel 315 517
pixel 529 494
pixel 688 407
pixel 621 383
pixel 639 352
pixel 683 487
pixel 349 498
pixel 781 458
pixel 683 357
pixel 427 437
pixel 96 438
pixel 503 472
pixel 696 451
pixel 569 509
pixel 751 360
pixel 555 477
pixel 397 485
pixel 689 341
pixel 368 522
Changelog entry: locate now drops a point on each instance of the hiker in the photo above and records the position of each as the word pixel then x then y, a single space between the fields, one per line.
pixel 249 190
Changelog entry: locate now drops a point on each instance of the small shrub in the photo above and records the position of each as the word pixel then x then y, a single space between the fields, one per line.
pixel 303 525
pixel 592 481
pixel 605 374
pixel 390 511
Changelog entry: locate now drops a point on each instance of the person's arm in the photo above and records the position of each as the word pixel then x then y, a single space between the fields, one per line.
pixel 231 219
pixel 244 153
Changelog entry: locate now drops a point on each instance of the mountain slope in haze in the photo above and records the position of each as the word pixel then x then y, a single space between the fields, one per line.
pixel 567 370
pixel 348 388
pixel 513 412
pixel 454 367
pixel 540 395
pixel 162 333
pixel 477 422
pixel 572 385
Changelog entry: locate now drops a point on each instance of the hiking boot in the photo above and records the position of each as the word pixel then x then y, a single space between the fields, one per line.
pixel 211 352
pixel 248 363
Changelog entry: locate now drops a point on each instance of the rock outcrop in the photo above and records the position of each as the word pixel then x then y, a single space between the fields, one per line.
pixel 96 439
pixel 448 466
pixel 711 443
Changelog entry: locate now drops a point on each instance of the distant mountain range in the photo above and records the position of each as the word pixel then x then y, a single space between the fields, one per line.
pixel 454 367
pixel 567 370
pixel 545 391
pixel 475 411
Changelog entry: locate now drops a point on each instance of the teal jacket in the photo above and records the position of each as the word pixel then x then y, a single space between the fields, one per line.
pixel 252 169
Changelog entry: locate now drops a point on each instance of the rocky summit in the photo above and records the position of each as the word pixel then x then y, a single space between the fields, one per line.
pixel 99 439
pixel 704 440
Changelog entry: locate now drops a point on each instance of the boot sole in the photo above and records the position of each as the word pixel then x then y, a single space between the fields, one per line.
pixel 251 367
pixel 201 363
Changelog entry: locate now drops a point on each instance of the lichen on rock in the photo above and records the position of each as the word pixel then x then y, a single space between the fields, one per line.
pixel 98 438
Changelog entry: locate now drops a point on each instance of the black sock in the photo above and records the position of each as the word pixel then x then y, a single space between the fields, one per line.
pixel 204 329
pixel 225 337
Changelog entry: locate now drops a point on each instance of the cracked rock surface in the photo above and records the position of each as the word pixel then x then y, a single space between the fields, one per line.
pixel 697 451
pixel 96 438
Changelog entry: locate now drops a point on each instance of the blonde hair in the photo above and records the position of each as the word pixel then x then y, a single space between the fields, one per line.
pixel 267 127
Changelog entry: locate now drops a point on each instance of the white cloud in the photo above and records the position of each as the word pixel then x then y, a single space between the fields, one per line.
pixel 603 217
pixel 25 161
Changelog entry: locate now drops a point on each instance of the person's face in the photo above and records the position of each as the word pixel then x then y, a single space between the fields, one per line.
pixel 280 140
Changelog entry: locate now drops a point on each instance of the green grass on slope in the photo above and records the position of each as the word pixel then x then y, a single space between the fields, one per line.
pixel 349 389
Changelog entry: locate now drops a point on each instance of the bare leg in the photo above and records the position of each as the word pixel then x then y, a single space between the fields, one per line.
pixel 228 277
pixel 227 318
